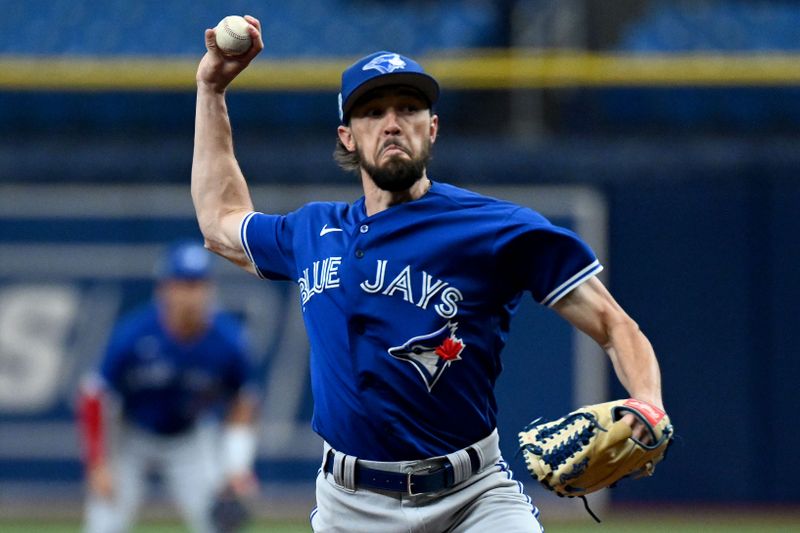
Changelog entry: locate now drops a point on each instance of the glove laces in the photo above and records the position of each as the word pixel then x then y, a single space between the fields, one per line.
pixel 558 455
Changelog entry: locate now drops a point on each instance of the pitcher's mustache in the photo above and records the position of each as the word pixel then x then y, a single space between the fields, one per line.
pixel 393 141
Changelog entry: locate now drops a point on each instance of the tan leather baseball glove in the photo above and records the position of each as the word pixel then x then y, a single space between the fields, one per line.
pixel 592 448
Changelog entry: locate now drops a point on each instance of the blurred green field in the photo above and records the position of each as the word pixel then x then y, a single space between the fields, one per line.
pixel 659 523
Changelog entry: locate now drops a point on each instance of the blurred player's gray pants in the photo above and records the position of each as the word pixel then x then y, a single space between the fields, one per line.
pixel 488 501
pixel 186 463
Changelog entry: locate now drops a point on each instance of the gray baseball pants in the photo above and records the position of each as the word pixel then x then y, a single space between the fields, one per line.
pixel 488 500
pixel 188 464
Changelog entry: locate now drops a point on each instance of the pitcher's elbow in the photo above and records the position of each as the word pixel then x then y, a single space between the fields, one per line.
pixel 213 245
pixel 209 229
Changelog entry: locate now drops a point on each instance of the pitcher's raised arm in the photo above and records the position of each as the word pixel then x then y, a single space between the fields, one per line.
pixel 219 190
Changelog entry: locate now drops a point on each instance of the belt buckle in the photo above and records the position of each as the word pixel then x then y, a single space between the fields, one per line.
pixel 413 471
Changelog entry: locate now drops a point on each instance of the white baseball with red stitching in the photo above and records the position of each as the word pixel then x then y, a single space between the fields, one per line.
pixel 232 36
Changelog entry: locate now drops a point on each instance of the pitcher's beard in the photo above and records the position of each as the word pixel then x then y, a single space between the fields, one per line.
pixel 398 173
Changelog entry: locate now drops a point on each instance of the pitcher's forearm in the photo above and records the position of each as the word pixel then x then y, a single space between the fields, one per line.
pixel 219 190
pixel 635 362
pixel 592 309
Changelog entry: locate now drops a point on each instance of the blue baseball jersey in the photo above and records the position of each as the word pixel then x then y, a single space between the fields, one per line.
pixel 407 310
pixel 164 384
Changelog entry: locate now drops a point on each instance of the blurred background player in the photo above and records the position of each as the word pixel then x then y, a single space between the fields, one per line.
pixel 170 372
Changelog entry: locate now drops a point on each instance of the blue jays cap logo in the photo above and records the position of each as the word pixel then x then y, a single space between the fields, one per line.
pixel 431 354
pixel 385 63
pixel 381 69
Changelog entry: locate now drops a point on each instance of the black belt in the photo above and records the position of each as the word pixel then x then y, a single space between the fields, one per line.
pixel 431 478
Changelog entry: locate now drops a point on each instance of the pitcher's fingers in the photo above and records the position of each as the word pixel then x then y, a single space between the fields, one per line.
pixel 642 433
pixel 211 41
pixel 254 21
pixel 258 43
pixel 254 30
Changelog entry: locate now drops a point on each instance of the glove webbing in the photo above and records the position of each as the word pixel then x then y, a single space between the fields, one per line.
pixel 546 433
pixel 559 455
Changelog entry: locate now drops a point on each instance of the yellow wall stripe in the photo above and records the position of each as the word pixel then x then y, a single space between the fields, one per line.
pixel 481 69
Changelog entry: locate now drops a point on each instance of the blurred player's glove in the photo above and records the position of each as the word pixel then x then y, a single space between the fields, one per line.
pixel 592 448
pixel 228 513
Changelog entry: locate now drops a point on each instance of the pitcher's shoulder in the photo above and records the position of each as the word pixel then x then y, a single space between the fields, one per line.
pixel 462 198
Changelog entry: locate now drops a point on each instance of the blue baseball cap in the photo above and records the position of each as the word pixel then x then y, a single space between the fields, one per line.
pixel 379 70
pixel 185 260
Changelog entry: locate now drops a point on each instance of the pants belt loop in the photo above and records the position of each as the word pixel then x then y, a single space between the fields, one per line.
pixel 338 470
pixel 344 470
pixel 481 458
pixel 349 472
pixel 462 465
pixel 486 449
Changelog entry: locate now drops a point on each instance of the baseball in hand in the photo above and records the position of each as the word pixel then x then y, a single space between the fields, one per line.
pixel 232 36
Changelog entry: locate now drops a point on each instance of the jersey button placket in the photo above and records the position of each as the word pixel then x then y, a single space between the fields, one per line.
pixel 359 253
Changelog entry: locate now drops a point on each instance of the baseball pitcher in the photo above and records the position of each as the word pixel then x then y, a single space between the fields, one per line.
pixel 407 296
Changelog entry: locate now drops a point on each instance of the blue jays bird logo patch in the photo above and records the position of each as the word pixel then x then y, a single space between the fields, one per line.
pixel 431 354
pixel 385 63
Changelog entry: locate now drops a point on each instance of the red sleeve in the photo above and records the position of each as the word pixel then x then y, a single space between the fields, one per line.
pixel 90 414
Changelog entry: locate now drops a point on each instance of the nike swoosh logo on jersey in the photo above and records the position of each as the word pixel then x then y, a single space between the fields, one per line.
pixel 325 230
